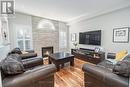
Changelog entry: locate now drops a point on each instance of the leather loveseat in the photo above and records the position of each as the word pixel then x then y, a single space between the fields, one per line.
pixel 24 55
pixel 96 76
pixel 40 76
pixel 29 59
pixel 101 75
pixel 36 74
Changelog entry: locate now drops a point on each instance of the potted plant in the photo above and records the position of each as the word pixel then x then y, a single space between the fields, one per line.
pixel 76 45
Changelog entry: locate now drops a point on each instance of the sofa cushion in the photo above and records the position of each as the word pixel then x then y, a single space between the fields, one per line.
pixel 24 52
pixel 106 64
pixel 28 55
pixel 122 68
pixel 12 65
pixel 32 62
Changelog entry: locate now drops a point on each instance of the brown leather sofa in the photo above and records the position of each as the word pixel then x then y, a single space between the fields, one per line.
pixel 96 76
pixel 29 59
pixel 40 76
pixel 36 74
pixel 28 54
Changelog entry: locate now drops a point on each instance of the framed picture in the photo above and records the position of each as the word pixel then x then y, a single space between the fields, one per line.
pixel 73 37
pixel 121 35
pixel 4 31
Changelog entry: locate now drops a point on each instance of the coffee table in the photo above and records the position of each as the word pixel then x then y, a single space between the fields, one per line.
pixel 61 58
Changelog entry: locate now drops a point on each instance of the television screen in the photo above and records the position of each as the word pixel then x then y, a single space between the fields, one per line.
pixel 90 38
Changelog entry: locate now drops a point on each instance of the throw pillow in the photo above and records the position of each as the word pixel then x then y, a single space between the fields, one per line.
pixel 120 55
pixel 24 52
pixel 15 56
pixel 12 65
pixel 122 68
pixel 16 50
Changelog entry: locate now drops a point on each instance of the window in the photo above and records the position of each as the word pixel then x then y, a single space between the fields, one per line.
pixel 63 39
pixel 24 37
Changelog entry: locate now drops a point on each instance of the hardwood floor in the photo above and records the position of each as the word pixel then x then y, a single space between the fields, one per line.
pixel 70 76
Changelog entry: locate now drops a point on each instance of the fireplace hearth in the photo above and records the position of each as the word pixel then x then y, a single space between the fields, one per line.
pixel 46 51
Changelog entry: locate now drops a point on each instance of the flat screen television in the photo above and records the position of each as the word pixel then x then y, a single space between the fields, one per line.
pixel 90 38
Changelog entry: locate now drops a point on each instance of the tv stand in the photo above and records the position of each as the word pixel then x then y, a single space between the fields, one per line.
pixel 88 55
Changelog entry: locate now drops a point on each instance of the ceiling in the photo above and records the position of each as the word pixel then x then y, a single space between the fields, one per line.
pixel 66 10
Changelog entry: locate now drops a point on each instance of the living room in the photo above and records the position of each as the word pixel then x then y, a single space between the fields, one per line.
pixel 61 43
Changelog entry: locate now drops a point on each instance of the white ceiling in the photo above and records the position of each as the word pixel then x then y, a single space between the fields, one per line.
pixel 66 10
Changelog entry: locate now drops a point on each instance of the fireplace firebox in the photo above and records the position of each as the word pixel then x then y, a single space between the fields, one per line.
pixel 46 51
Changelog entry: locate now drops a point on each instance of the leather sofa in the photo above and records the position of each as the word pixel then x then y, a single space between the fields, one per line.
pixel 40 76
pixel 28 54
pixel 36 74
pixel 29 59
pixel 97 76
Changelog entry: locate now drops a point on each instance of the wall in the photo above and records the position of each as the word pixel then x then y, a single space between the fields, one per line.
pixel 44 38
pixel 18 19
pixel 47 37
pixel 3 53
pixel 4 43
pixel 106 23
pixel 41 38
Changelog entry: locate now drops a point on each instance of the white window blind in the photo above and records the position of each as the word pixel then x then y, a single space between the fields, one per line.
pixel 24 37
pixel 63 39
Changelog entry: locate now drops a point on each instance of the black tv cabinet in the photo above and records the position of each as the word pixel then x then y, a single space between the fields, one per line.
pixel 88 55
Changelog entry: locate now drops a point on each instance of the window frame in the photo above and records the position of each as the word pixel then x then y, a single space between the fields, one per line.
pixel 23 27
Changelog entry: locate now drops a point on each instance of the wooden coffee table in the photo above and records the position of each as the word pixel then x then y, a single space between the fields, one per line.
pixel 61 58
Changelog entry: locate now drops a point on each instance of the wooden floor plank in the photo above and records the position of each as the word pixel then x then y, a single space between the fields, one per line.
pixel 70 76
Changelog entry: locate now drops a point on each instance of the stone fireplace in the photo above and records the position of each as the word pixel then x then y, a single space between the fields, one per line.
pixel 47 51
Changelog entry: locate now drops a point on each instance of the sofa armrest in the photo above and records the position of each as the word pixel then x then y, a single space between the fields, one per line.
pixel 32 62
pixel 30 77
pixel 111 55
pixel 105 76
pixel 28 55
pixel 30 51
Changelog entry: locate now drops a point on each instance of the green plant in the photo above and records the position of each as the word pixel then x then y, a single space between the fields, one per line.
pixel 75 44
